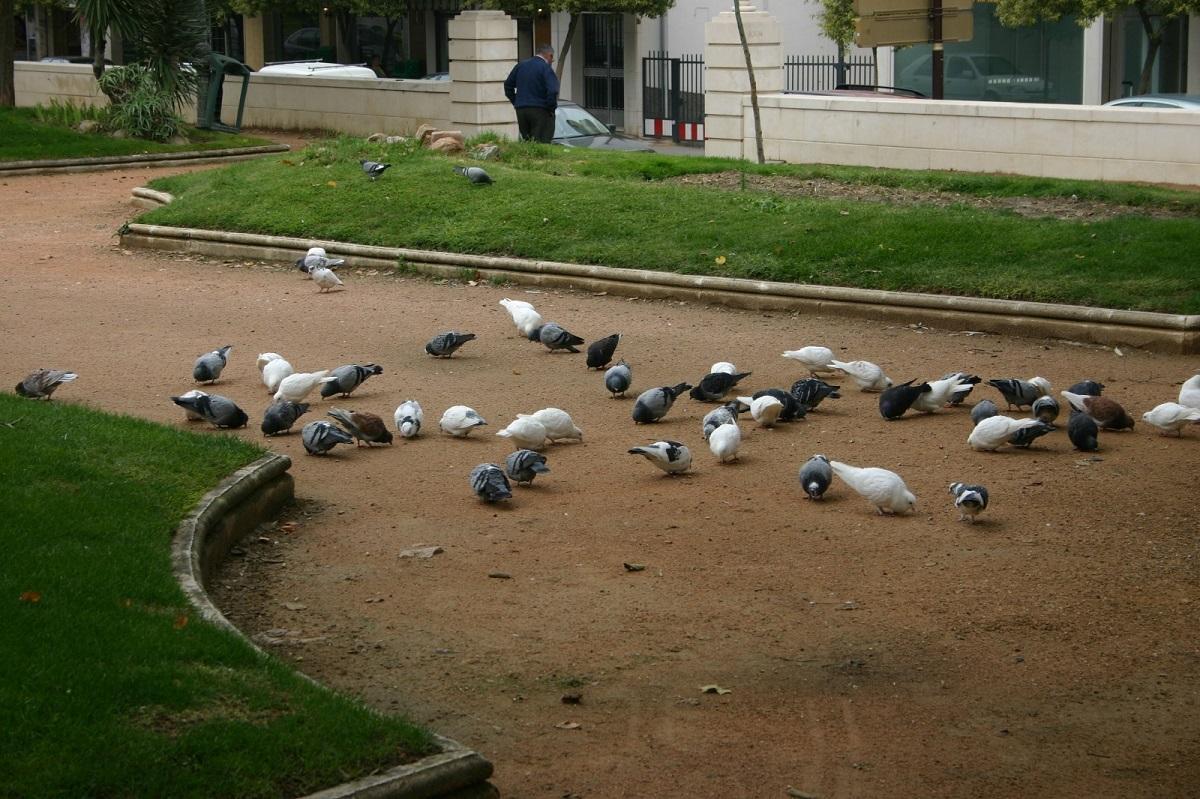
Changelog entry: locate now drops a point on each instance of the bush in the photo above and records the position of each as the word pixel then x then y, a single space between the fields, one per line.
pixel 140 106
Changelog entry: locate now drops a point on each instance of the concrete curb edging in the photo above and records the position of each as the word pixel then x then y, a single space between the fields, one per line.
pixel 239 503
pixel 138 159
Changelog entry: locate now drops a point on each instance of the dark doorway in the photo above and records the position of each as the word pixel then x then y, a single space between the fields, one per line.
pixel 604 67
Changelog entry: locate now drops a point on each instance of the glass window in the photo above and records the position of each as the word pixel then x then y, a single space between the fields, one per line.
pixel 301 38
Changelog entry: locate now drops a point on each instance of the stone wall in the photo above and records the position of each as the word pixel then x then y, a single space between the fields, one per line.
pixel 37 84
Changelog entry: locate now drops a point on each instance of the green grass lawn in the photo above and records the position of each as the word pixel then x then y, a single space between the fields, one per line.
pixel 617 210
pixel 24 138
pixel 112 685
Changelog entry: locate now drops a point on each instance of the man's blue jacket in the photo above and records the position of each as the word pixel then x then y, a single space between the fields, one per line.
pixel 532 84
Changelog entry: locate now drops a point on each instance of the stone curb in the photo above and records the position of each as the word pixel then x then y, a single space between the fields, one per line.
pixel 242 501
pixel 65 165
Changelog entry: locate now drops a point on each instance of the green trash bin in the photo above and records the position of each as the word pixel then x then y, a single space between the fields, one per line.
pixel 210 85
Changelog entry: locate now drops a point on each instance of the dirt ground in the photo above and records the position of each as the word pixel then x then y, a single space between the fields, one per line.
pixel 1049 650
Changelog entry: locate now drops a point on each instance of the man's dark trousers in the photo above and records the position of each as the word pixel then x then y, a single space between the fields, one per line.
pixel 536 124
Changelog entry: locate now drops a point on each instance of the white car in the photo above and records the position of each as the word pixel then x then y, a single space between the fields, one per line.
pixel 318 69
pixel 976 76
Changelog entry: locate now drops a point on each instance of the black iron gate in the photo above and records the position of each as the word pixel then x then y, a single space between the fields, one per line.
pixel 604 67
pixel 673 97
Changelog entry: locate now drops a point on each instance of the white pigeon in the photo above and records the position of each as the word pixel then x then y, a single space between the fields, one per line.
pixel 526 433
pixel 670 456
pixel 295 387
pixel 940 392
pixel 1189 394
pixel 1171 417
pixel 765 409
pixel 265 358
pixel 192 416
pixel 818 360
pixel 558 423
pixel 409 417
pixel 993 432
pixel 273 373
pixel 723 366
pixel 459 421
pixel 324 277
pixel 523 315
pixel 868 376
pixel 882 488
pixel 725 442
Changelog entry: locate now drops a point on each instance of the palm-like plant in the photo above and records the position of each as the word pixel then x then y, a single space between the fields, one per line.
pixel 100 16
pixel 173 35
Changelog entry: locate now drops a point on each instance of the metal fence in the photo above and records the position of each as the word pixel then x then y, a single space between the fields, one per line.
pixel 814 73
pixel 673 97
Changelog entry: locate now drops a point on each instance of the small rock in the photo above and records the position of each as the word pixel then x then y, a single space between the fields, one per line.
pixel 714 689
pixel 376 137
pixel 569 725
pixel 447 145
pixel 88 126
pixel 423 132
pixel 572 699
pixel 295 606
pixel 634 567
pixel 422 553
pixel 395 140
pixel 488 152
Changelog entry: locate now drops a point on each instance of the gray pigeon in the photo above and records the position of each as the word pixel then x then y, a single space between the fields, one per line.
pixel 217 410
pixel 444 345
pixel 316 258
pixel 373 168
pixel 1083 432
pixel 209 365
pixel 1027 435
pixel 653 404
pixel 555 337
pixel 280 416
pixel 810 391
pixel 1090 388
pixel 1020 393
pixel 618 379
pixel 42 383
pixel 894 402
pixel 320 437
pixel 971 500
pixel 347 378
pixel 475 174
pixel 524 465
pixel 600 353
pixel 715 385
pixel 1045 409
pixel 815 476
pixel 489 483
pixel 724 414
pixel 793 409
pixel 982 410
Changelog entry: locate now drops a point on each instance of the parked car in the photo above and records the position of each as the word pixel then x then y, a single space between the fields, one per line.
pixel 866 90
pixel 1190 102
pixel 302 43
pixel 318 69
pixel 976 76
pixel 574 126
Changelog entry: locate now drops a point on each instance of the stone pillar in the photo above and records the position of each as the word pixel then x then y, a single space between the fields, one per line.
pixel 1193 55
pixel 726 128
pixel 252 41
pixel 1093 63
pixel 483 49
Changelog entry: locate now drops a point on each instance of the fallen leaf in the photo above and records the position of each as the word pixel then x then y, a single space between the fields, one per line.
pixel 720 260
pixel 500 575
pixel 568 725
pixel 295 606
pixel 32 597
pixel 633 567
pixel 715 689
pixel 181 622
pixel 332 184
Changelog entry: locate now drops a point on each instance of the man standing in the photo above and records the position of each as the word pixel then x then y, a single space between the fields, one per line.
pixel 532 88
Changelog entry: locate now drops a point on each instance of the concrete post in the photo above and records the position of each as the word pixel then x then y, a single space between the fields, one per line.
pixel 727 129
pixel 483 49
pixel 1093 63
pixel 252 41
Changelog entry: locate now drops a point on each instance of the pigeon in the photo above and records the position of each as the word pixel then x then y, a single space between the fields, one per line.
pixel 653 404
pixel 766 410
pixel 723 366
pixel 42 383
pixel 209 365
pixel 1045 409
pixel 373 168
pixel 724 414
pixel 345 379
pixel 366 427
pixel 459 421
pixel 715 385
pixel 971 500
pixel 966 384
pixel 1107 412
pixel 815 476
pixel 882 488
pixel 296 387
pixel 489 483
pixel 940 393
pixel 793 409
pixel 811 391
pixel 982 410
pixel 320 437
pixel 1171 417
pixel 600 353
pixel 325 278
pixel 524 465
pixel 725 442
pixel 523 315
pixel 273 372
pixel 443 345
pixel 1020 393
pixel 1189 392
pixel 894 401
pixel 316 257
pixel 525 433
pixel 215 409
pixel 1083 432
pixel 280 416
pixel 670 456
pixel 618 379
pixel 994 432
pixel 408 418
pixel 818 360
pixel 265 358
pixel 868 376
pixel 189 410
pixel 1092 388
pixel 558 423
pixel 475 174
pixel 556 338
pixel 1027 435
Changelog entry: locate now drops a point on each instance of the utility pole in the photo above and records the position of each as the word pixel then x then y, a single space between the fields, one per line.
pixel 935 36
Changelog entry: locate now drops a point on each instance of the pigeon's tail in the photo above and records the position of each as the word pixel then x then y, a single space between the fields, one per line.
pixel 737 378
pixel 1076 400
pixel 571 339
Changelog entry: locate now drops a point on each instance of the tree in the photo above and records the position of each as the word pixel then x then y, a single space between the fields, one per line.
pixel 758 139
pixel 8 32
pixel 836 21
pixel 101 16
pixel 1154 15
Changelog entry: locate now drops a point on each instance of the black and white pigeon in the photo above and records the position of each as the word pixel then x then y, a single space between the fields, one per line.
pixel 345 379
pixel 217 410
pixel 1020 393
pixel 1027 435
pixel 670 456
pixel 1083 432
pixel 444 345
pixel 966 384
pixel 653 404
pixel 982 410
pixel 373 169
pixel 524 465
pixel 600 353
pixel 811 391
pixel 316 258
pixel 971 500
pixel 724 414
pixel 321 436
pixel 209 365
pixel 408 418
pixel 1091 388
pixel 618 379
pixel 42 383
pixel 280 416
pixel 475 174
pixel 555 337
pixel 489 483
pixel 815 476
pixel 793 409
pixel 894 402
pixel 715 385
pixel 1045 409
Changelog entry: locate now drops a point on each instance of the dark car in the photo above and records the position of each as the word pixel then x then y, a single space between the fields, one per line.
pixel 575 127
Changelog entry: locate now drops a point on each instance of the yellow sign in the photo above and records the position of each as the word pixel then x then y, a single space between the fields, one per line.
pixel 882 23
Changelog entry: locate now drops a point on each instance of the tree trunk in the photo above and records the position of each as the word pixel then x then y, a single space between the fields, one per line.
pixel 1154 39
pixel 8 32
pixel 566 48
pixel 758 139
pixel 344 34
pixel 97 54
pixel 387 42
